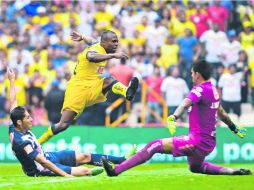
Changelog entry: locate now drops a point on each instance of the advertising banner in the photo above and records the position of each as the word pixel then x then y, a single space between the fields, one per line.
pixel 117 141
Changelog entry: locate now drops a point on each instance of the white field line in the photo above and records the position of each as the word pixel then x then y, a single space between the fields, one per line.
pixel 6 184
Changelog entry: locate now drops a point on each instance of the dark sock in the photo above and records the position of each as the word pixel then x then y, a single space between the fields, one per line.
pixel 96 159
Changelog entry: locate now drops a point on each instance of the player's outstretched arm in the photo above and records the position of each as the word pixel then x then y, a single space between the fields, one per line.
pixel 171 120
pixel 13 99
pixel 49 165
pixel 97 57
pixel 76 36
pixel 186 103
pixel 239 131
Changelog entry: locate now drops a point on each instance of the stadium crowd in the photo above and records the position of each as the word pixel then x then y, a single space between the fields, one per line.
pixel 162 38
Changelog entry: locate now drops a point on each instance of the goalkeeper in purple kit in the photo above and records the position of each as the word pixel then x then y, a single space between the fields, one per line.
pixel 203 103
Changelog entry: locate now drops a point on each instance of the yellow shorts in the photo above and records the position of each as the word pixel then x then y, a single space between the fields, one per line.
pixel 80 94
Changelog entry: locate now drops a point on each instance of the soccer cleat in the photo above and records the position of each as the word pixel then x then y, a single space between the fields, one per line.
pixel 109 168
pixel 131 152
pixel 132 88
pixel 242 171
pixel 96 171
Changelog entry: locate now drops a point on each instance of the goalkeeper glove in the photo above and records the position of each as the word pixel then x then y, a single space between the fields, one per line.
pixel 171 124
pixel 240 131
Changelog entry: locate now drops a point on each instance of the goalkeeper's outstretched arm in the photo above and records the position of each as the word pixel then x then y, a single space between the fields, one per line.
pixel 239 131
pixel 171 120
pixel 186 103
pixel 226 119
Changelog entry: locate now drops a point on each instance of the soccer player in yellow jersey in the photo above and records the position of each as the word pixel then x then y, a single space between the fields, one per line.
pixel 89 84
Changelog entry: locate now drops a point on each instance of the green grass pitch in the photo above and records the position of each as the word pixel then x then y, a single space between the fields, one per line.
pixel 145 177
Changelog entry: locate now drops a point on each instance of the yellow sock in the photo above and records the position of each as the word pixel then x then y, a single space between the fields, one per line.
pixel 119 88
pixel 45 136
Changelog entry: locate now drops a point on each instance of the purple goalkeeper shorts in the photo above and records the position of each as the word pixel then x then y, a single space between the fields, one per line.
pixel 186 146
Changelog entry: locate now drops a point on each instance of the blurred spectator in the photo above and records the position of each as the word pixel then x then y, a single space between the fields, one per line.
pixel 142 25
pixel 200 19
pixel 21 19
pixel 49 27
pixel 31 8
pixel 128 21
pixel 212 41
pixel 3 112
pixel 123 77
pixel 137 41
pixel 38 112
pixel 151 67
pixel 138 65
pixel 38 64
pixel 247 35
pixel 154 83
pixel 190 9
pixel 188 53
pixel 174 89
pixel 54 101
pixel 102 17
pixel 36 86
pixel 242 66
pixel 113 7
pixel 20 87
pixel 230 49
pixel 218 14
pixel 180 23
pixel 158 32
pixel 25 76
pixel 59 58
pixel 169 53
pixel 219 71
pixel 19 57
pixel 230 88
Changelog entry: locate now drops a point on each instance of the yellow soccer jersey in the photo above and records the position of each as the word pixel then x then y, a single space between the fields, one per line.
pixel 89 70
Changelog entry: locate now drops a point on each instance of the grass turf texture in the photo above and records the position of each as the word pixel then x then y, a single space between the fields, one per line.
pixel 145 177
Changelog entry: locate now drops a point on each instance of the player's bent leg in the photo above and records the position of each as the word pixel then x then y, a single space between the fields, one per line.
pixel 118 88
pixel 110 83
pixel 65 121
pixel 212 169
pixel 197 165
pixel 142 156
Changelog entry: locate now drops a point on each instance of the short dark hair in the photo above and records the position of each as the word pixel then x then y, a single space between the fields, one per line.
pixel 203 68
pixel 105 35
pixel 18 113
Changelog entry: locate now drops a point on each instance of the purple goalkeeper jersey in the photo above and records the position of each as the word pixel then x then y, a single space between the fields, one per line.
pixel 203 112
